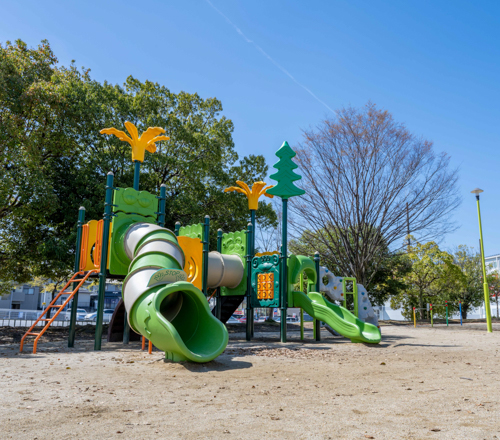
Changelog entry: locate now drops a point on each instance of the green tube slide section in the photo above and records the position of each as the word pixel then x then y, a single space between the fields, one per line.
pixel 337 317
pixel 177 319
pixel 169 311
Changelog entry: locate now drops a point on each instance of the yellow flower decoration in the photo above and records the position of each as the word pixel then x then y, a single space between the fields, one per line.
pixel 252 194
pixel 139 144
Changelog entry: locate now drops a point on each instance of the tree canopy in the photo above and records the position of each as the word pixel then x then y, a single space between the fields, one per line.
pixel 368 182
pixel 432 279
pixel 54 159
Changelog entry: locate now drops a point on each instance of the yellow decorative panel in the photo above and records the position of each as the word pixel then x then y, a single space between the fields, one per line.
pixel 193 251
pixel 265 286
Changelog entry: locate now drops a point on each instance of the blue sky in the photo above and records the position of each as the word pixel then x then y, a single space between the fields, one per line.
pixel 279 67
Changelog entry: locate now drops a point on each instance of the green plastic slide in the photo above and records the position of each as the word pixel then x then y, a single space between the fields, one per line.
pixel 337 317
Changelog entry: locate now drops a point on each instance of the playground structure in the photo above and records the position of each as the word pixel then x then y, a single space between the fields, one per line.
pixel 169 276
pixel 431 312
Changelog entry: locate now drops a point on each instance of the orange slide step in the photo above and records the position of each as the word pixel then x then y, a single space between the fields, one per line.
pixel 53 305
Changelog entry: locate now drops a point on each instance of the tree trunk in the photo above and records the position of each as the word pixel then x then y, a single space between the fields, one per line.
pixel 421 304
pixel 270 314
pixel 465 308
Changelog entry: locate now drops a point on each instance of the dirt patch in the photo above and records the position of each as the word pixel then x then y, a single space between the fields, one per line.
pixel 421 383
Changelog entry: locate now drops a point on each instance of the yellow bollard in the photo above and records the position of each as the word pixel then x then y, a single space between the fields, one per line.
pixel 414 318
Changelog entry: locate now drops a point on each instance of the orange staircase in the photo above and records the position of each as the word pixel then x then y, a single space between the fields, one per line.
pixel 53 305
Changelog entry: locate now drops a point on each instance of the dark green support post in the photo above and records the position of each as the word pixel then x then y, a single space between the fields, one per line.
pixel 317 327
pixel 177 227
pixel 284 270
pixel 249 309
pixel 161 211
pixel 218 305
pixel 285 188
pixel 252 254
pixel 104 260
pixel 137 172
pixel 446 304
pixel 126 327
pixel 74 304
pixel 301 288
pixel 206 244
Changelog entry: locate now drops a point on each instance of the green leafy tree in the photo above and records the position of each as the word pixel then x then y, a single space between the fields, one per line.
pixel 433 279
pixel 54 159
pixel 39 120
pixel 470 292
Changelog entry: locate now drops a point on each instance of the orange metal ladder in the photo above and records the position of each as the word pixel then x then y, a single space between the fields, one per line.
pixel 59 308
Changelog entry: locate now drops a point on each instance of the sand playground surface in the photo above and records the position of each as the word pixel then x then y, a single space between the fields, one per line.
pixel 418 383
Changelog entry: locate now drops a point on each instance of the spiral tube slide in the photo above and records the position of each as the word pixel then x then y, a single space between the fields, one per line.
pixel 172 313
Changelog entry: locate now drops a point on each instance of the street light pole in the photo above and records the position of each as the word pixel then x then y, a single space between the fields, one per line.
pixel 486 289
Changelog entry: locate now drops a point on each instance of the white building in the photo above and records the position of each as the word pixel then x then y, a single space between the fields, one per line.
pixel 492 263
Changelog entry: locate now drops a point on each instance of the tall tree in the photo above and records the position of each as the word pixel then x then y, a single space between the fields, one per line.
pixel 470 292
pixel 368 180
pixel 433 279
pixel 54 159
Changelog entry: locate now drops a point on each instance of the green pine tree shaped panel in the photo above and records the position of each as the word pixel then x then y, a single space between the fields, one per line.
pixel 285 175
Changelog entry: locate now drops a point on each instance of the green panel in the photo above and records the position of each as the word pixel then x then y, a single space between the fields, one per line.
pixel 285 176
pixel 135 202
pixel 235 243
pixel 192 231
pixel 176 318
pixel 338 318
pixel 354 293
pixel 266 265
pixel 118 259
pixel 298 264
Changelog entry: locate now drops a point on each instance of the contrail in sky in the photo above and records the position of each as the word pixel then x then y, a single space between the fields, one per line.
pixel 286 72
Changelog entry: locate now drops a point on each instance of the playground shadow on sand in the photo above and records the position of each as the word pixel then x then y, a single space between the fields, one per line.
pixel 224 362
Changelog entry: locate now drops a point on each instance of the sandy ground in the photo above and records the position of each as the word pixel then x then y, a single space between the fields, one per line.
pixel 423 383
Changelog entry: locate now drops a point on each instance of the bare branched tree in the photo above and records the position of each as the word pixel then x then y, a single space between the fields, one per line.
pixel 268 237
pixel 369 182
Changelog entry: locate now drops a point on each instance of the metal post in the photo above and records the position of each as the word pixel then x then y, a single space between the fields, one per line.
pixel 177 227
pixel 414 318
pixel 137 171
pixel 432 320
pixel 487 309
pixel 218 305
pixel 72 320
pixel 317 328
pixel 206 244
pixel 249 310
pixel 126 329
pixel 301 278
pixel 161 210
pixel 460 308
pixel 104 260
pixel 252 253
pixel 284 267
pixel 446 304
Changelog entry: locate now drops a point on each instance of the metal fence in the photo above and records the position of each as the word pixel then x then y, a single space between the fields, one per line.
pixel 26 318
